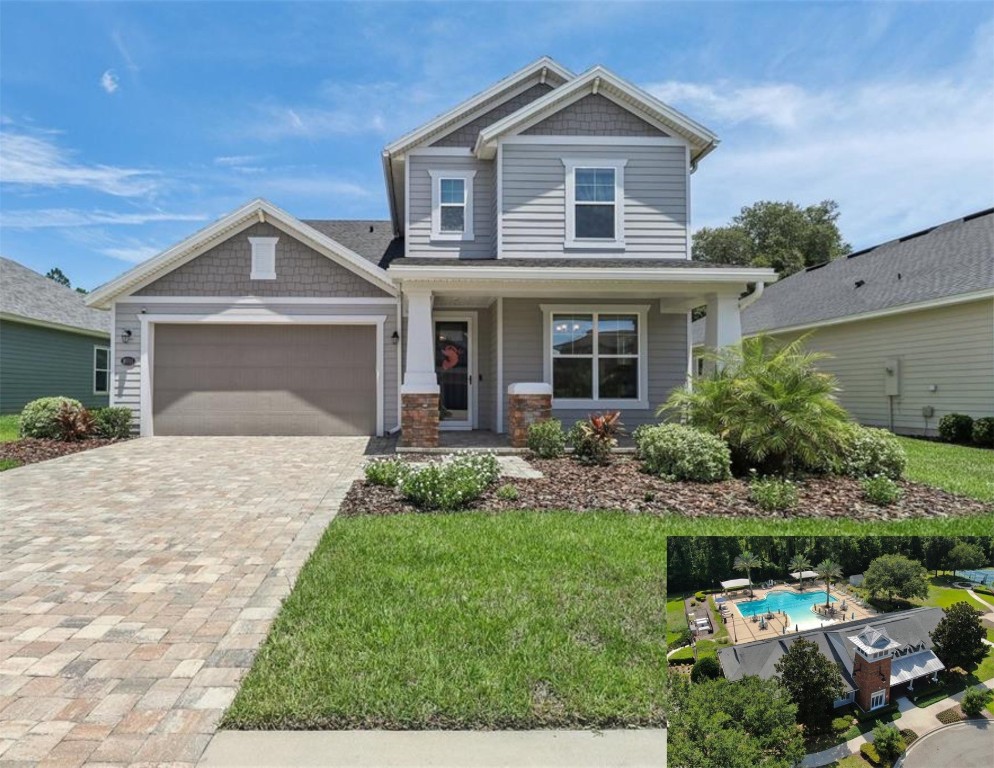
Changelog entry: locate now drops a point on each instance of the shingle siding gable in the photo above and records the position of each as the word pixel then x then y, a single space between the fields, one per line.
pixel 593 115
pixel 465 136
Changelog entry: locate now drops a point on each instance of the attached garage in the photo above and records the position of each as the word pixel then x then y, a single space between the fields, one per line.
pixel 211 378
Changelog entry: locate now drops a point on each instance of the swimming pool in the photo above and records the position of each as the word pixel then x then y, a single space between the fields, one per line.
pixel 796 605
pixel 978 576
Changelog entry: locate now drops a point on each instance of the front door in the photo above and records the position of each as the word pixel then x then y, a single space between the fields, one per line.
pixel 454 366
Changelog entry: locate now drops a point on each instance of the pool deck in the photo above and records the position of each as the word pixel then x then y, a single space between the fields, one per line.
pixel 745 630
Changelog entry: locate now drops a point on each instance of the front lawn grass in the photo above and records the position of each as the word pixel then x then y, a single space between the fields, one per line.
pixel 676 619
pixel 954 468
pixel 469 620
pixel 10 428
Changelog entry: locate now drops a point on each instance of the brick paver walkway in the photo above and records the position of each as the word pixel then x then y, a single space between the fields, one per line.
pixel 137 582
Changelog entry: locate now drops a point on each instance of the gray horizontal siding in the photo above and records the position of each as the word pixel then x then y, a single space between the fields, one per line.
pixel 419 242
pixel 524 356
pixel 534 198
pixel 45 362
pixel 949 347
pixel 126 382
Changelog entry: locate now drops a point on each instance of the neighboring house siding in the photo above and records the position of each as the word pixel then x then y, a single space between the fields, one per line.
pixel 949 347
pixel 419 242
pixel 534 198
pixel 127 379
pixel 465 136
pixel 42 362
pixel 225 270
pixel 593 115
pixel 524 355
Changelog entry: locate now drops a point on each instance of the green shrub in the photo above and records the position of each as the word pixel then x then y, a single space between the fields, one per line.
pixel 507 493
pixel 593 440
pixel 683 637
pixel 676 452
pixel 868 452
pixel 701 597
pixel 546 439
pixel 772 493
pixel 40 418
pixel 869 752
pixel 771 404
pixel 387 472
pixel 450 485
pixel 112 423
pixel 841 724
pixel 983 432
pixel 956 428
pixel 877 714
pixel 974 701
pixel 705 668
pixel 887 742
pixel 881 490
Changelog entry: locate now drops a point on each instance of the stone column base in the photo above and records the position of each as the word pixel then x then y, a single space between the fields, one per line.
pixel 526 405
pixel 419 420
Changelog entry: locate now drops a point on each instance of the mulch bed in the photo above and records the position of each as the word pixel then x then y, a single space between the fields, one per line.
pixel 30 450
pixel 623 485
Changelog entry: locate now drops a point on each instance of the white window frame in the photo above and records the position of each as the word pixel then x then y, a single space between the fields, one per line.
pixel 436 205
pixel 97 369
pixel 642 312
pixel 595 243
pixel 883 699
pixel 263 258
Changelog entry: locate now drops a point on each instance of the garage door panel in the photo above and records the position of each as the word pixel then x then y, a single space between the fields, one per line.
pixel 264 380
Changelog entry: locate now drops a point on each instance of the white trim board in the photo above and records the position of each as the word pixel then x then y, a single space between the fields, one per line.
pixel 596 141
pixel 147 347
pixel 260 301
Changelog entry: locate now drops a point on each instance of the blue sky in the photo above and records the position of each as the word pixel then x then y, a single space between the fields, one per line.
pixel 127 127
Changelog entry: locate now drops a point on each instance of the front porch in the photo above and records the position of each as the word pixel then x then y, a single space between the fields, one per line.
pixel 491 348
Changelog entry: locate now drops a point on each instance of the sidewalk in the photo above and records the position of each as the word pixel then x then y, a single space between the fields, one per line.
pixel 920 720
pixel 438 749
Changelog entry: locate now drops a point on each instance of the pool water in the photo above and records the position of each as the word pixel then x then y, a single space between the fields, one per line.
pixel 797 606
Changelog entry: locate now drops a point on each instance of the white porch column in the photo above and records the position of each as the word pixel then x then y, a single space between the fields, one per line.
pixel 722 326
pixel 419 373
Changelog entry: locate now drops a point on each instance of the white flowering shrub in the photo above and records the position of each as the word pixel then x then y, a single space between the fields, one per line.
pixel 676 452
pixel 870 452
pixel 453 484
pixel 387 472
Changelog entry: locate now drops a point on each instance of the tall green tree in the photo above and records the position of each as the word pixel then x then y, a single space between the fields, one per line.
pixel 749 723
pixel 784 236
pixel 896 575
pixel 965 556
pixel 58 276
pixel 747 561
pixel 830 572
pixel 813 682
pixel 935 552
pixel 799 564
pixel 958 639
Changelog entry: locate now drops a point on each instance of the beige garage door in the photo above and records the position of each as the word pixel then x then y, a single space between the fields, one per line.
pixel 264 380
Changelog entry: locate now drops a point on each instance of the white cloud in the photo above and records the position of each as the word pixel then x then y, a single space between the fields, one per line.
pixel 233 161
pixel 897 154
pixel 46 218
pixel 39 162
pixel 133 254
pixel 109 81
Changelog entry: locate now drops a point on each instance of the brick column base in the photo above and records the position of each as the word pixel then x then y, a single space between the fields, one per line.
pixel 522 412
pixel 419 420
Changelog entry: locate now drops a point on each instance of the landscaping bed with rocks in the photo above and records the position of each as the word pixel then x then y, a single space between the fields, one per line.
pixel 624 485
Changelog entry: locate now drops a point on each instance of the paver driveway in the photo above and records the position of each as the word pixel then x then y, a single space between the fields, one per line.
pixel 137 582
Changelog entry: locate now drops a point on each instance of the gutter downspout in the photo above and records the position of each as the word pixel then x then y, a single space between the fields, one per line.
pixel 751 298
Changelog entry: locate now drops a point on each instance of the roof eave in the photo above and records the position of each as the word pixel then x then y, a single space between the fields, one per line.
pixel 668 274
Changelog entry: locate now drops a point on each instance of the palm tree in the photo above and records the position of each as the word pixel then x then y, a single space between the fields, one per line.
pixel 799 564
pixel 746 562
pixel 830 571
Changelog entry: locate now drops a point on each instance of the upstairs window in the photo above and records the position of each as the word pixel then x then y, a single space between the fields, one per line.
pixel 452 205
pixel 101 370
pixel 263 258
pixel 595 204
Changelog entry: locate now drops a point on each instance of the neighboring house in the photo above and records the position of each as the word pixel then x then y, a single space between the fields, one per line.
pixel 879 657
pixel 909 324
pixel 537 248
pixel 51 343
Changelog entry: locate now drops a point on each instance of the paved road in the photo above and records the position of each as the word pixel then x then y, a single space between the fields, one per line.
pixel 137 582
pixel 964 745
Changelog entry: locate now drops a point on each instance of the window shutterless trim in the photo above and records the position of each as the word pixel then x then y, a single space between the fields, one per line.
pixel 437 177
pixel 641 311
pixel 97 369
pixel 595 243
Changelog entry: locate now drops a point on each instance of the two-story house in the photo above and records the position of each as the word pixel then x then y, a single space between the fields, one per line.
pixel 537 256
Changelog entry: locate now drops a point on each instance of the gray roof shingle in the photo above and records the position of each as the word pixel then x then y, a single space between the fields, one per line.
pixel 373 239
pixel 759 658
pixel 25 293
pixel 948 260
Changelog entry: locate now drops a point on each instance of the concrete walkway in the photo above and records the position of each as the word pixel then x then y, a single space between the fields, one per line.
pixel 137 582
pixel 438 749
pixel 921 720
